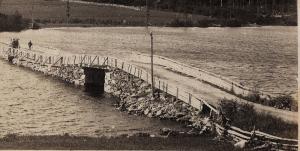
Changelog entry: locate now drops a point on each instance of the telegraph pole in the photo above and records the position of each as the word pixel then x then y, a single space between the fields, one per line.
pixel 152 77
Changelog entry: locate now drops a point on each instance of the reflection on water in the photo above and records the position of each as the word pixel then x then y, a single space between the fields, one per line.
pixel 37 105
pixel 264 58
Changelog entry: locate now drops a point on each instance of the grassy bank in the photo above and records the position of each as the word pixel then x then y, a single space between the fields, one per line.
pixel 115 143
pixel 283 101
pixel 245 117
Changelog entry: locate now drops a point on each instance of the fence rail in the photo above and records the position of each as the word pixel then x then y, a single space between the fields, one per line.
pixel 174 90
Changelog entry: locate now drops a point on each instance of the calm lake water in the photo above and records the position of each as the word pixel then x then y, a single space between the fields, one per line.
pixel 32 104
pixel 264 58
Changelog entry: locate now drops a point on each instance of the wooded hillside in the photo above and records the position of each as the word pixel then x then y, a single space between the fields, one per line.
pixel 251 11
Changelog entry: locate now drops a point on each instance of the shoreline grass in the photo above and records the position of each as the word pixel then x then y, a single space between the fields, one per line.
pixel 245 117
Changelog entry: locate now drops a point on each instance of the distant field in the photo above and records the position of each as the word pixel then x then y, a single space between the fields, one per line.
pixel 54 11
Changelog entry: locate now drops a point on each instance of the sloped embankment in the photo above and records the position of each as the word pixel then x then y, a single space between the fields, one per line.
pixel 136 98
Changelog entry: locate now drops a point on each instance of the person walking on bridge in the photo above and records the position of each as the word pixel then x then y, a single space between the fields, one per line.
pixel 30 45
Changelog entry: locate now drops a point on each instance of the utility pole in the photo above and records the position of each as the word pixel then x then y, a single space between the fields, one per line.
pixel 68 11
pixel 152 77
pixel 147 13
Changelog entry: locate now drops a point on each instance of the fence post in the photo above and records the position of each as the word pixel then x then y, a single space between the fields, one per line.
pixel 159 84
pixel 90 60
pixel 134 71
pixel 147 77
pixel 68 60
pixel 62 60
pixel 190 99
pixel 122 65
pixel 130 68
pixel 42 59
pixel 210 113
pixel 167 88
pixel 138 73
pixel 74 62
pixel 177 91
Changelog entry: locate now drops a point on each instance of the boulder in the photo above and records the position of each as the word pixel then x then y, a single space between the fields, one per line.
pixel 147 111
pixel 241 144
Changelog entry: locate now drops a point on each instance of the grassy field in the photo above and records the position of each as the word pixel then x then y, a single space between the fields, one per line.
pixel 54 12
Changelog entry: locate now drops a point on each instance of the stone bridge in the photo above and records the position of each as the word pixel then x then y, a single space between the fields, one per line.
pixel 90 71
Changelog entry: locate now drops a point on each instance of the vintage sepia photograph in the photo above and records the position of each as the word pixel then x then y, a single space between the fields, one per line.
pixel 205 75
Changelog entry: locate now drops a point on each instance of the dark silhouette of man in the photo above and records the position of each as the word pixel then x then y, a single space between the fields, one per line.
pixel 30 45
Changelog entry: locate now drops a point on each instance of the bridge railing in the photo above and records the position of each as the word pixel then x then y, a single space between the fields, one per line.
pixel 197 102
pixel 159 83
pixel 211 78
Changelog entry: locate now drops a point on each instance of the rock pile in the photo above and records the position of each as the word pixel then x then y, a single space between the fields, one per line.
pixel 136 98
pixel 69 74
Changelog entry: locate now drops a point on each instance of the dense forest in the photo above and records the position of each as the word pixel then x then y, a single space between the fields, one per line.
pixel 263 12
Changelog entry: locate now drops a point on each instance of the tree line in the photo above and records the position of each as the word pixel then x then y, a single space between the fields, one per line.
pixel 265 12
pixel 264 7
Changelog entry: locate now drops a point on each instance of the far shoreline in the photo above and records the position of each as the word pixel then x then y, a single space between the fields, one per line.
pixel 53 26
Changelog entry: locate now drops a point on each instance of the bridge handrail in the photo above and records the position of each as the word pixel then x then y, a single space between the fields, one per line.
pixel 227 86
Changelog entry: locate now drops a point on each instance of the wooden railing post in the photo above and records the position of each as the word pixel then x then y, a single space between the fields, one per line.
pixel 159 84
pixel 190 99
pixel 134 71
pixel 177 91
pixel 147 77
pixel 166 87
pixel 74 62
pixel 61 60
